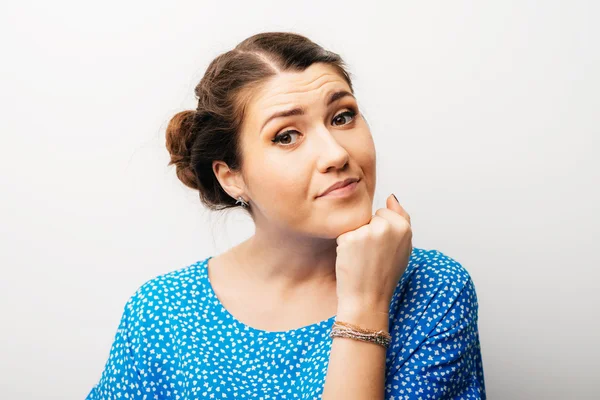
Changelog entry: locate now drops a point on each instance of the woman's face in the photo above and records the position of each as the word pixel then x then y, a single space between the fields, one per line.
pixel 289 161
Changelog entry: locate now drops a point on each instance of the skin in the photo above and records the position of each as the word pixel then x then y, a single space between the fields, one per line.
pixel 313 257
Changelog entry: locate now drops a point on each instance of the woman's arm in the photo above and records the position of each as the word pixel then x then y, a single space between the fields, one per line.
pixel 369 263
pixel 356 369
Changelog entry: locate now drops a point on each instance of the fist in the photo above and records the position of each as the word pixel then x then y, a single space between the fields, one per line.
pixel 371 259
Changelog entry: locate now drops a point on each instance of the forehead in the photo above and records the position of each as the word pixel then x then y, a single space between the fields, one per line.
pixel 297 88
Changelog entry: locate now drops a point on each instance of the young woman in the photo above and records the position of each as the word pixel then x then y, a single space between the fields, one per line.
pixel 326 300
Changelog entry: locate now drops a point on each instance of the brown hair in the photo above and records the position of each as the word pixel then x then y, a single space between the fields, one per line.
pixel 195 138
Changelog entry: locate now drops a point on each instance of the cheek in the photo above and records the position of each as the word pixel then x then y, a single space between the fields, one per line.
pixel 278 183
pixel 366 158
pixel 361 146
pixel 279 189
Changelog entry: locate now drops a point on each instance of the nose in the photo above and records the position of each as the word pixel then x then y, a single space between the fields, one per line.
pixel 331 154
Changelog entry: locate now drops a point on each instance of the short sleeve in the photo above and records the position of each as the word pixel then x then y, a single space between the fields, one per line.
pixel 446 363
pixel 120 377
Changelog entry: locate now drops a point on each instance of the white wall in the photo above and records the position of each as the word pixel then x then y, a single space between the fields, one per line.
pixel 485 117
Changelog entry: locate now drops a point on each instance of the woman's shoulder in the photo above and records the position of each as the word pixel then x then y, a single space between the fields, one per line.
pixel 168 289
pixel 432 283
pixel 431 269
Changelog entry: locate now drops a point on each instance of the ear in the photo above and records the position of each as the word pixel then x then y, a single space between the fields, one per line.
pixel 231 181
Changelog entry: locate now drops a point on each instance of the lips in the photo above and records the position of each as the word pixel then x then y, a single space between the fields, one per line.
pixel 338 185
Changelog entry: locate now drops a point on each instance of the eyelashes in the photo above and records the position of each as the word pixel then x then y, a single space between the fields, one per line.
pixel 351 111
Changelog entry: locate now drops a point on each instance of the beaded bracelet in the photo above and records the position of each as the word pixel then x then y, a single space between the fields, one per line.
pixel 346 330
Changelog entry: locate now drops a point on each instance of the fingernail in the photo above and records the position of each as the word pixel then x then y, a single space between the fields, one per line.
pixel 395 198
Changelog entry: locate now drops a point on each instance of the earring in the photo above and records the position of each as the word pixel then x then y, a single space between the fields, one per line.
pixel 240 199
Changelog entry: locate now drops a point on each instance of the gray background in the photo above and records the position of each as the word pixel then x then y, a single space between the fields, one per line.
pixel 486 121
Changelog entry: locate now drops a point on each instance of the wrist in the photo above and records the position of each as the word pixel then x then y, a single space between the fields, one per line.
pixel 366 315
pixel 356 305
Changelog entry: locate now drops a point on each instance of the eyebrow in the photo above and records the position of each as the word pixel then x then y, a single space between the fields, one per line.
pixel 333 97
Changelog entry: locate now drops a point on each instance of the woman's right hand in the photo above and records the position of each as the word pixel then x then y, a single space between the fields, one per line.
pixel 371 259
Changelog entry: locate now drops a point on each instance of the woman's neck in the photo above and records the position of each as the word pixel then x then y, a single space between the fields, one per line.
pixel 287 263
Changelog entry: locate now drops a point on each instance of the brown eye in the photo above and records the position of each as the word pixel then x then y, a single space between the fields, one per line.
pixel 340 116
pixel 284 137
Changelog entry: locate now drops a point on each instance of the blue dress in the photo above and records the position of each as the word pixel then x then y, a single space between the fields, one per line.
pixel 175 340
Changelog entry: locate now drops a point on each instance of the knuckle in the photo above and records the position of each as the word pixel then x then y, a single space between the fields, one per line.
pixel 381 229
pixel 349 237
pixel 405 225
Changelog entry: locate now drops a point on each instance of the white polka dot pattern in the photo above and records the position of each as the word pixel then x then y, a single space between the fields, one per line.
pixel 175 340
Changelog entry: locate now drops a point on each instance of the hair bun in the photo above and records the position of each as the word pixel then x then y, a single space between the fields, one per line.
pixel 180 139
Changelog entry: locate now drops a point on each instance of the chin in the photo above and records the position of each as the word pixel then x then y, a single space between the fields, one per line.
pixel 339 223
